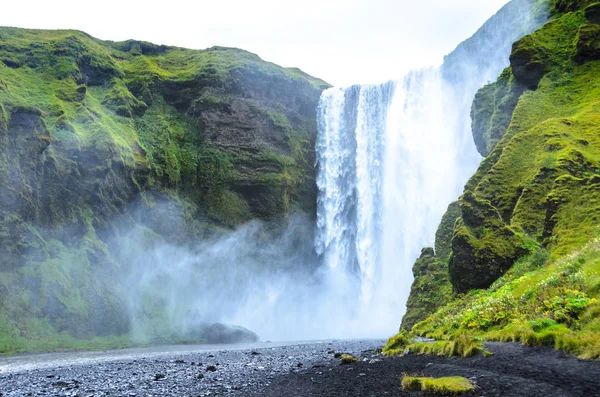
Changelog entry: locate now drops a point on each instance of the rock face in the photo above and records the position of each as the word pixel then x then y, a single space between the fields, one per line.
pixel 91 131
pixel 511 204
pixel 431 288
pixel 483 247
pixel 537 189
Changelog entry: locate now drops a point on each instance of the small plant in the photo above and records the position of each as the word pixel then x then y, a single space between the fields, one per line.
pixel 349 359
pixel 396 345
pixel 447 386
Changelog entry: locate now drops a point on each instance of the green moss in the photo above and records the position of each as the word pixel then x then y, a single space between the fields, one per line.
pixel 447 386
pixel 349 359
pixel 462 345
pixel 396 345
pixel 97 126
pixel 492 111
pixel 431 288
pixel 552 304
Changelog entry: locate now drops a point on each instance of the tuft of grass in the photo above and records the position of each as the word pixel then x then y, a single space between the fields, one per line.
pixel 396 345
pixel 447 386
pixel 462 346
pixel 349 359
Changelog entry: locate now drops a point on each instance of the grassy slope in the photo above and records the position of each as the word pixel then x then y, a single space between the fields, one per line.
pixel 543 179
pixel 117 122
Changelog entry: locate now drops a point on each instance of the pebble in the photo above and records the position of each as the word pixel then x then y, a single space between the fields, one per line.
pixel 240 372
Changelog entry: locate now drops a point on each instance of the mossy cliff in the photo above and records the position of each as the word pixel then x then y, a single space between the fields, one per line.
pixel 525 248
pixel 91 131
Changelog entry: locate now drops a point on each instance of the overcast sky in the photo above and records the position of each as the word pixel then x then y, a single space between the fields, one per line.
pixel 341 41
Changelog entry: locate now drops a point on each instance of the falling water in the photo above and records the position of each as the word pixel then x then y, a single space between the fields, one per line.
pixel 392 157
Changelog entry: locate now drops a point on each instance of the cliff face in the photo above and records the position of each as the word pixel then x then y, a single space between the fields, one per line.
pixel 91 131
pixel 528 226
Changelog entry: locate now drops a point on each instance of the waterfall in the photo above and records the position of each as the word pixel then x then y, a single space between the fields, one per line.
pixel 391 158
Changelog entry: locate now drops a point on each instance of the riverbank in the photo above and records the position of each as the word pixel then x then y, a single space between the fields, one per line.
pixel 168 371
pixel 305 369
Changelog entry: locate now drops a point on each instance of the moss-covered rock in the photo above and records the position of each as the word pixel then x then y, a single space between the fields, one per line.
pixel 431 288
pixel 492 111
pixel 527 239
pixel 92 131
pixel 527 62
pixel 588 43
pixel 444 232
pixel 592 13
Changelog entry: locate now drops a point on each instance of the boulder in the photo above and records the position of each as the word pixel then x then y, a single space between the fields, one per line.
pixel 218 333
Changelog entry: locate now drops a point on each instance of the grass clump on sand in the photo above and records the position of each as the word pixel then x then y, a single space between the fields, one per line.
pixel 447 386
pixel 349 359
pixel 462 345
pixel 396 345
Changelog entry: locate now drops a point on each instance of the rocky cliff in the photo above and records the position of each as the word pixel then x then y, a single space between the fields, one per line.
pixel 524 250
pixel 179 142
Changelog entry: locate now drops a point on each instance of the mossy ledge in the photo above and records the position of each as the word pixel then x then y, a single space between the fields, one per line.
pixel 177 142
pixel 525 258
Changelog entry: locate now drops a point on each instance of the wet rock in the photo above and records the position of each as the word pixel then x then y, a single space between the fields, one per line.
pixel 527 62
pixel 592 13
pixel 218 333
pixel 588 43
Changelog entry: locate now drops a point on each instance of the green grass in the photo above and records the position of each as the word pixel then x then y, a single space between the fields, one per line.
pixel 396 345
pixel 106 123
pixel 555 304
pixel 538 191
pixel 447 386
pixel 462 345
pixel 349 359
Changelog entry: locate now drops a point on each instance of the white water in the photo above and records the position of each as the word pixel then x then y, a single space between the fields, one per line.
pixel 391 158
pixel 389 166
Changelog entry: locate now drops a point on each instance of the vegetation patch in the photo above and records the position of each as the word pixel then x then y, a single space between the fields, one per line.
pixel 525 258
pixel 349 359
pixel 396 345
pixel 462 346
pixel 447 386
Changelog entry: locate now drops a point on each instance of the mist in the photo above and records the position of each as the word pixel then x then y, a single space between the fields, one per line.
pixel 262 276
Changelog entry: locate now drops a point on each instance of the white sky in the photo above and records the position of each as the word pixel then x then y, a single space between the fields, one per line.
pixel 342 42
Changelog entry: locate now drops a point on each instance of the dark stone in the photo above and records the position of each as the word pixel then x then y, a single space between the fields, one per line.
pixel 527 63
pixel 218 333
pixel 12 63
pixel 483 247
pixel 588 44
pixel 80 93
pixel 592 13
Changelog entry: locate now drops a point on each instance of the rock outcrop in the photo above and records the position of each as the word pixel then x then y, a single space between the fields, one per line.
pixel 535 194
pixel 92 131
